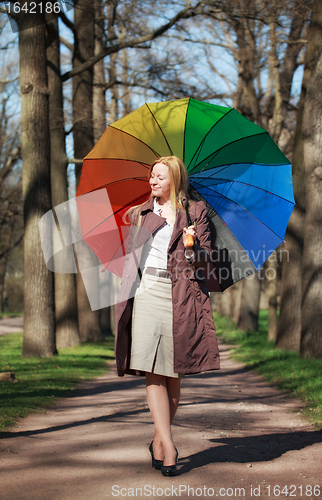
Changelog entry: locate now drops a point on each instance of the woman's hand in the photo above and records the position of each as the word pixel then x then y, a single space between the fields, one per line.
pixel 188 236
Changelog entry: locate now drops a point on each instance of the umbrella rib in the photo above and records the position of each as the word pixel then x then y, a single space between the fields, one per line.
pixel 228 228
pixel 245 184
pixel 104 186
pixel 120 245
pixel 115 212
pixel 203 140
pixel 156 121
pixel 114 158
pixel 243 208
pixel 134 137
pixel 213 155
pixel 143 179
pixel 218 195
pixel 184 134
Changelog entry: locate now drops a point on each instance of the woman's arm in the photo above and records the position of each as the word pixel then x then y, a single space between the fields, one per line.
pixel 200 253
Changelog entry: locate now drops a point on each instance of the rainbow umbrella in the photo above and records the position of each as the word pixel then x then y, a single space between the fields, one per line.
pixel 234 166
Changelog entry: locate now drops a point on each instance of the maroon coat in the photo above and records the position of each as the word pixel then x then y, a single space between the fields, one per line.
pixel 194 337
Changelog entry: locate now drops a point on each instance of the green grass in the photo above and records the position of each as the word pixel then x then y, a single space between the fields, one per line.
pixel 10 314
pixel 41 380
pixel 300 377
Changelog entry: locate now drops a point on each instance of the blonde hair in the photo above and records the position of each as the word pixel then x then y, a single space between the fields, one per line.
pixel 179 183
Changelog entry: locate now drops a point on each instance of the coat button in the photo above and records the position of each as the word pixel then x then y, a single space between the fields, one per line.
pixel 127 275
pixel 175 331
pixel 175 301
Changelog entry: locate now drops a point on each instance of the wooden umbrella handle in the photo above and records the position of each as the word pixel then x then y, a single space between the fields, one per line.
pixel 190 240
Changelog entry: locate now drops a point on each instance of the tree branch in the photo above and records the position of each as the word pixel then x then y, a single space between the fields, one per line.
pixel 67 44
pixel 66 21
pixel 132 42
pixel 76 161
pixel 14 245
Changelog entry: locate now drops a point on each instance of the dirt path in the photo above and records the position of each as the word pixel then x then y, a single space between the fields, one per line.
pixel 237 438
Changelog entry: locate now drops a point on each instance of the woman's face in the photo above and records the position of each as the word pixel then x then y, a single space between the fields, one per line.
pixel 160 182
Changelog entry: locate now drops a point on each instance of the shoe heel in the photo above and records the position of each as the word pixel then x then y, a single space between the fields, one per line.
pixel 157 464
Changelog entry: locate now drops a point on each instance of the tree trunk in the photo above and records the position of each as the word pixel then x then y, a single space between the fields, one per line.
pixel 248 102
pixel 224 303
pixel 99 117
pixel 99 104
pixel 289 325
pixel 39 322
pixel 4 259
pixel 67 334
pixel 271 275
pixel 278 117
pixel 237 301
pixel 114 105
pixel 126 93
pixel 311 332
pixel 88 320
pixel 249 308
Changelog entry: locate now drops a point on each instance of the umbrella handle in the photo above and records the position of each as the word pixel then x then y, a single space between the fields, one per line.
pixel 190 240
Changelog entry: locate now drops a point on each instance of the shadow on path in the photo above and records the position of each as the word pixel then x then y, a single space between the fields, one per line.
pixel 251 449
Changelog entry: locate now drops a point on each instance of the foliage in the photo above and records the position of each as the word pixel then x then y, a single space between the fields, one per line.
pixel 300 377
pixel 40 380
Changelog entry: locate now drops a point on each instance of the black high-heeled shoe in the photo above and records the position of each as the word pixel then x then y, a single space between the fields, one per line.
pixel 170 470
pixel 157 464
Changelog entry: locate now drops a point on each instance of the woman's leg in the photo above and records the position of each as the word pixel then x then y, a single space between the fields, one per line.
pixel 163 399
pixel 173 387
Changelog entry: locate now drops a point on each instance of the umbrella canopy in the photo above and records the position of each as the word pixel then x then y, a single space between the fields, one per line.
pixel 234 166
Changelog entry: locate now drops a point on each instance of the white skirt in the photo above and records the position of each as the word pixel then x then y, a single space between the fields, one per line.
pixel 152 338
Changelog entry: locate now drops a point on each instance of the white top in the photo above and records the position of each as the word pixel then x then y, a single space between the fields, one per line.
pixel 155 250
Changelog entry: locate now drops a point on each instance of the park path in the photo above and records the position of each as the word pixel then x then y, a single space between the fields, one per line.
pixel 237 438
pixel 11 325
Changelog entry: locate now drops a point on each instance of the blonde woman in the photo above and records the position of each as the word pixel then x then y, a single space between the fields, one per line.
pixel 167 329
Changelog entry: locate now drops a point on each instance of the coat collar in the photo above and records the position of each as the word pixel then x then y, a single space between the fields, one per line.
pixel 153 221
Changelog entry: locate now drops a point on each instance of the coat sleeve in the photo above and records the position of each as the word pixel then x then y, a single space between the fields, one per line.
pixel 201 251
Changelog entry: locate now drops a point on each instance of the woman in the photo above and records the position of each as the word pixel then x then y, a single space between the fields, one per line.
pixel 167 330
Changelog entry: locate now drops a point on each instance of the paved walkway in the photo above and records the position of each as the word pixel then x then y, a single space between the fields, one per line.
pixel 237 438
pixel 11 325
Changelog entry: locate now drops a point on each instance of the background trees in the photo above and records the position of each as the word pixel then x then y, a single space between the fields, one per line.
pixel 103 60
pixel 311 338
pixel 11 227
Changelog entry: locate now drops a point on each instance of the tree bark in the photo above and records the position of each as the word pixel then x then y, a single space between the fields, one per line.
pixel 126 95
pixel 224 303
pixel 99 117
pixel 248 315
pixel 88 320
pixel 99 104
pixel 247 101
pixel 289 325
pixel 39 322
pixel 67 334
pixel 4 259
pixel 114 105
pixel 311 332
pixel 282 90
pixel 271 274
